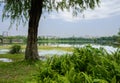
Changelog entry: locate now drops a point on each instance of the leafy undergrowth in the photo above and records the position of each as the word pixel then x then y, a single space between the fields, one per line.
pixel 85 65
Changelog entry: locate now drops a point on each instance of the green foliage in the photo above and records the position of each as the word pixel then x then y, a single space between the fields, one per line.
pixel 19 9
pixel 85 65
pixel 15 49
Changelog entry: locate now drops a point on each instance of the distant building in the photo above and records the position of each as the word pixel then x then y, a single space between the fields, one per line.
pixel 5 34
pixel 17 40
pixel 6 41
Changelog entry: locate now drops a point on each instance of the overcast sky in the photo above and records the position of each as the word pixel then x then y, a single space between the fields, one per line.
pixel 103 21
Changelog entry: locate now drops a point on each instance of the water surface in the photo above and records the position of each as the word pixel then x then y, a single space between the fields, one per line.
pixel 109 49
pixel 5 60
pixel 43 53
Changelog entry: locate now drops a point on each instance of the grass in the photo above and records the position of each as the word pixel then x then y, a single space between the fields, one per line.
pixel 15 72
pixel 41 47
pixel 56 48
pixel 14 57
pixel 85 65
pixel 18 71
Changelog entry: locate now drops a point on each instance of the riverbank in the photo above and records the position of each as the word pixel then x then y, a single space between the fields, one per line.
pixel 41 47
pixel 86 64
pixel 63 47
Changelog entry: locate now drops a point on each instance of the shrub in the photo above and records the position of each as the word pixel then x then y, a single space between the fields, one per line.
pixel 15 49
pixel 85 65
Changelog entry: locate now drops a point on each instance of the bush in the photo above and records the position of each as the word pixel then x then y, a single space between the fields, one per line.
pixel 15 49
pixel 85 65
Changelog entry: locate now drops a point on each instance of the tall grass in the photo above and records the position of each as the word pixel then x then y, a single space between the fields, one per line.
pixel 85 65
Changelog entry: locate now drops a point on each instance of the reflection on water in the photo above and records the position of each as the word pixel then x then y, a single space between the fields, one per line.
pixel 61 52
pixel 43 53
pixel 5 60
pixel 109 49
pixel 3 51
pixel 53 52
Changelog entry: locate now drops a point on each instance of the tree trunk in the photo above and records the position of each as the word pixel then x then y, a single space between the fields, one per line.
pixel 35 12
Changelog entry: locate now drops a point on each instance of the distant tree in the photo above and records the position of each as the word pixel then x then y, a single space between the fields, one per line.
pixel 22 10
pixel 118 36
pixel 119 32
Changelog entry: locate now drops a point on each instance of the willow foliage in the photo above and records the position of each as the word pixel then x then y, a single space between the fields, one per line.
pixel 19 9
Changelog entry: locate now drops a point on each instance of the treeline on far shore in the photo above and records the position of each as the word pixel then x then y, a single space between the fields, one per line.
pixel 111 40
pixel 79 40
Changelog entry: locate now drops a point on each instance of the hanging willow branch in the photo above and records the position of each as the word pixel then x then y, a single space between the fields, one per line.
pixel 18 10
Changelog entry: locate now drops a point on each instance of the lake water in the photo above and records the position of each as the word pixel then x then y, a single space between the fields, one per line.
pixel 59 52
pixel 53 52
pixel 108 48
pixel 5 60
pixel 3 51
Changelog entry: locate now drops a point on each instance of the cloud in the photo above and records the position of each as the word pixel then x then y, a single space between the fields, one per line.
pixel 107 9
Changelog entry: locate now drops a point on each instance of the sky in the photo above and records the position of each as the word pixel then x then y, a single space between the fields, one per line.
pixel 102 21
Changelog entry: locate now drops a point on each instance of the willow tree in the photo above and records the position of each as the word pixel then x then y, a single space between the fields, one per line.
pixel 31 10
